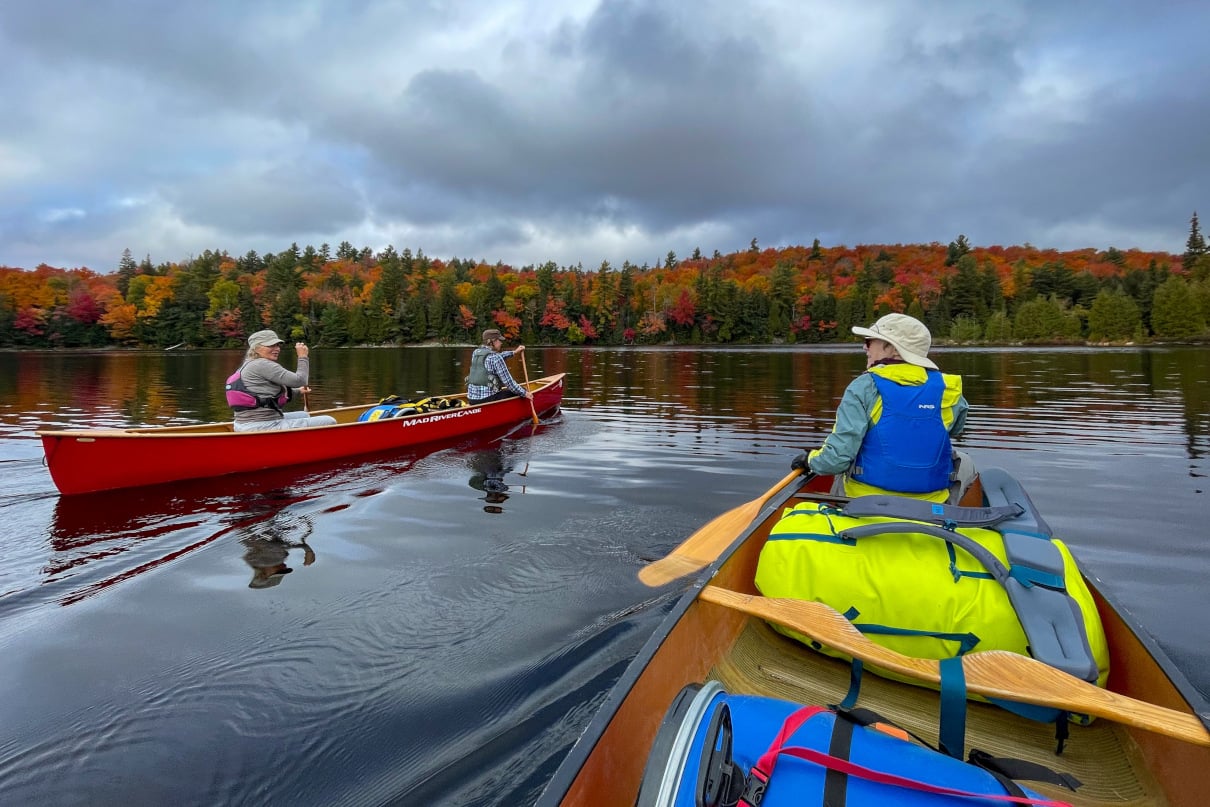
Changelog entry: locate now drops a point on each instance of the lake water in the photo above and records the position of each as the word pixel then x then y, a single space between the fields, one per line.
pixel 447 643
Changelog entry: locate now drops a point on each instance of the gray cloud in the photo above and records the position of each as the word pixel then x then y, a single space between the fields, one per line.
pixel 588 131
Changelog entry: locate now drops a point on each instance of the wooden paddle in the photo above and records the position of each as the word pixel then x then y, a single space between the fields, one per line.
pixel 525 370
pixel 705 546
pixel 991 673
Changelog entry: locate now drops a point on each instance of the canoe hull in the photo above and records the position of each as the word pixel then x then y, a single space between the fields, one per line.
pixel 700 641
pixel 88 461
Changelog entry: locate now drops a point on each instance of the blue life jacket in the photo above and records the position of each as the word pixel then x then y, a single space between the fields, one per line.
pixel 909 448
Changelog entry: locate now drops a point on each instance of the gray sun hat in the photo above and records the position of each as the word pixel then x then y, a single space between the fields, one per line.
pixel 907 335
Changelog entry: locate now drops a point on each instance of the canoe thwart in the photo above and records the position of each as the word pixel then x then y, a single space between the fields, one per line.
pixel 992 674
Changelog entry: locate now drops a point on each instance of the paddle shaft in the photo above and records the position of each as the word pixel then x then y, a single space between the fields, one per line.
pixel 990 673
pixel 525 371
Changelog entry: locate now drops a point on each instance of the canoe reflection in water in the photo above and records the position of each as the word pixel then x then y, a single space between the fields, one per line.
pixel 490 466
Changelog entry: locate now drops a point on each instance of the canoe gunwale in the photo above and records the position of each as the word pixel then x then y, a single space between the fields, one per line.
pixel 225 428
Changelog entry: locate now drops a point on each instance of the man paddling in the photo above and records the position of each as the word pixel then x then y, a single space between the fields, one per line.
pixel 489 379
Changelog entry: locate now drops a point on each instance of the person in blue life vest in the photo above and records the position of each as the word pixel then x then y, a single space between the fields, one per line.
pixel 489 379
pixel 896 421
pixel 258 390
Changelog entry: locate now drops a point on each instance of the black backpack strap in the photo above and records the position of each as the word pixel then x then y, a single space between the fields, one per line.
pixel 1010 768
pixel 836 783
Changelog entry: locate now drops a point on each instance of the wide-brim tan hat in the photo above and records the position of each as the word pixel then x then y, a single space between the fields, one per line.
pixel 907 335
pixel 264 339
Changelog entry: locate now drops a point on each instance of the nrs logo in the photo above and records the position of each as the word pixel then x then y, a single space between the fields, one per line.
pixel 925 406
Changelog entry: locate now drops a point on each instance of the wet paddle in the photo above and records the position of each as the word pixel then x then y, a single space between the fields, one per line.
pixel 706 545
pixel 525 370
pixel 991 673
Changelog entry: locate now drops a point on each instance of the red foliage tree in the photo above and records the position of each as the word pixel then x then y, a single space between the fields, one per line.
pixel 685 310
pixel 83 307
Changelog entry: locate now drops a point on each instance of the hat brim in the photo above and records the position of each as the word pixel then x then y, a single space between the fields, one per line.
pixel 905 354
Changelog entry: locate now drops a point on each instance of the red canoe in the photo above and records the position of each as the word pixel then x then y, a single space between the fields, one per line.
pixel 90 460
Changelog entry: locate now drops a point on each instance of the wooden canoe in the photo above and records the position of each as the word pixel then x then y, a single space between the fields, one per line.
pixel 1151 748
pixel 91 460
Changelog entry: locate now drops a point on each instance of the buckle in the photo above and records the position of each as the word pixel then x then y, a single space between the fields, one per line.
pixel 754 789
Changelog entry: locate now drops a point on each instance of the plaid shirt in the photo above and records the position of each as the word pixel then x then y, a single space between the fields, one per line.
pixel 501 377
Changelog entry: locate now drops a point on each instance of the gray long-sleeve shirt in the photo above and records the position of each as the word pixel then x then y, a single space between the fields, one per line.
pixel 265 377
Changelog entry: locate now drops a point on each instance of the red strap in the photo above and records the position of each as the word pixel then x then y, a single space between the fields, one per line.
pixel 852 769
pixel 758 777
pixel 763 768
pixel 792 723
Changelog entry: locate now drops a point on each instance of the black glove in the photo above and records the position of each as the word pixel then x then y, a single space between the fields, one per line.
pixel 800 463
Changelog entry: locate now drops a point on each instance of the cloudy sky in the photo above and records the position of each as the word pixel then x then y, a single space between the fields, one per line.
pixel 591 130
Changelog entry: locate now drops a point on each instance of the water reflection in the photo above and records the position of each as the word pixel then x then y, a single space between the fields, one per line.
pixel 490 467
pixel 274 528
pixel 267 557
pixel 99 540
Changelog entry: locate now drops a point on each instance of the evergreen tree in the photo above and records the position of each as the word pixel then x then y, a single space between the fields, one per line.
pixel 283 280
pixel 127 268
pixel 965 290
pixel 1201 293
pixel 956 250
pixel 334 325
pixel 1195 247
pixel 249 315
pixel 1040 320
pixel 999 328
pixel 605 300
pixel 250 264
pixel 993 292
pixel 966 329
pixel 1053 279
pixel 1114 316
pixel 782 294
pixel 494 296
pixel 1084 289
pixel 1175 313
pixel 389 292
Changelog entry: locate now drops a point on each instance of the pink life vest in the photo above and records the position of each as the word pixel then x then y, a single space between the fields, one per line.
pixel 241 399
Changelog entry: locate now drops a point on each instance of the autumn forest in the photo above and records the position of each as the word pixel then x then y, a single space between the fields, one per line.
pixel 1016 294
